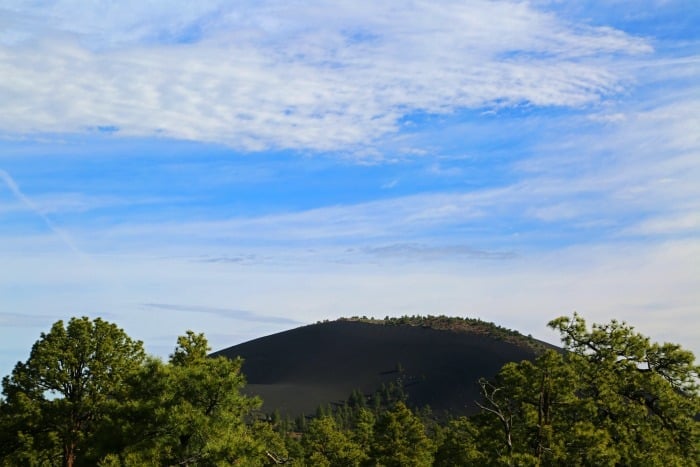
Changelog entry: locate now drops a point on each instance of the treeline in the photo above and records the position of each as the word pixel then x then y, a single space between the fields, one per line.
pixel 455 324
pixel 88 395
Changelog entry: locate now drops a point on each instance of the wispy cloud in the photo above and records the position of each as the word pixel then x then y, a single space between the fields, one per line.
pixel 628 281
pixel 14 188
pixel 12 320
pixel 314 76
pixel 390 184
pixel 427 253
pixel 506 160
pixel 247 258
pixel 230 313
pixel 80 203
pixel 684 223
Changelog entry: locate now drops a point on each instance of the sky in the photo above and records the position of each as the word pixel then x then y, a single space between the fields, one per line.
pixel 244 168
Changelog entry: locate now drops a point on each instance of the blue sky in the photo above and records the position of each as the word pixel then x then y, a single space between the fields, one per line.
pixel 241 169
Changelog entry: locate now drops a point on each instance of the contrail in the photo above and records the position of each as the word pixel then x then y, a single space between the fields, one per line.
pixel 12 186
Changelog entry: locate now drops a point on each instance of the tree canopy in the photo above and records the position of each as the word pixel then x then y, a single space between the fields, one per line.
pixel 56 399
pixel 89 395
pixel 611 398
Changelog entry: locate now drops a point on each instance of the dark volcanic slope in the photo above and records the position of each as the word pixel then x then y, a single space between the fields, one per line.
pixel 296 371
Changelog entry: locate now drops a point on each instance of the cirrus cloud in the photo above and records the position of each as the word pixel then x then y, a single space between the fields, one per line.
pixel 273 75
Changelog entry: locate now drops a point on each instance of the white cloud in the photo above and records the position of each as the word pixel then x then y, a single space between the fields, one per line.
pixel 75 202
pixel 416 252
pixel 340 75
pixel 322 76
pixel 229 313
pixel 404 216
pixel 684 223
pixel 638 169
pixel 653 287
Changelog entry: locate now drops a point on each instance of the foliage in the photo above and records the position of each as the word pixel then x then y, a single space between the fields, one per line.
pixel 458 444
pixel 88 395
pixel 643 395
pixel 195 413
pixel 326 445
pixel 400 439
pixel 612 398
pixel 57 398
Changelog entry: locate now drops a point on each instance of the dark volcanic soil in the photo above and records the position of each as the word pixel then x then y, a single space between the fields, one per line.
pixel 298 370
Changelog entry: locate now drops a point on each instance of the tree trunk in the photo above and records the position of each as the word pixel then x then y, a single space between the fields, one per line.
pixel 69 454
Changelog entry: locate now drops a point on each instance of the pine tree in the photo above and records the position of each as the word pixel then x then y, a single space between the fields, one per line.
pixel 57 399
pixel 400 439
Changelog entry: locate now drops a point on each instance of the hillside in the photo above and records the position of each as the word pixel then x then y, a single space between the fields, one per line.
pixel 437 359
